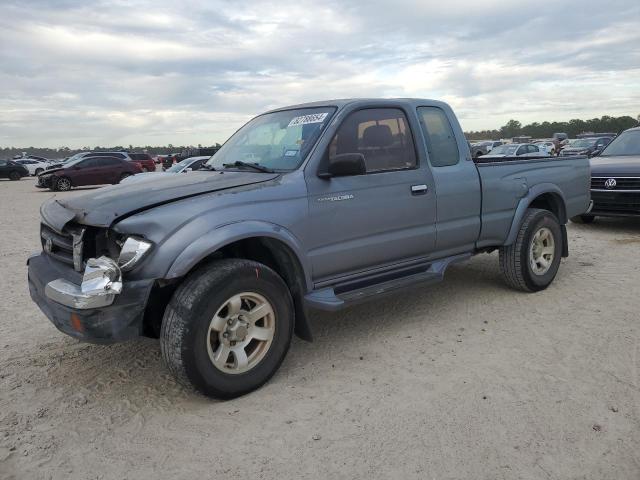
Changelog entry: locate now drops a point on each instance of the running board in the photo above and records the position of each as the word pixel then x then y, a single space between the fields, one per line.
pixel 344 294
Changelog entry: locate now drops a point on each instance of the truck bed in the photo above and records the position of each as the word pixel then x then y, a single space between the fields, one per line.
pixel 506 181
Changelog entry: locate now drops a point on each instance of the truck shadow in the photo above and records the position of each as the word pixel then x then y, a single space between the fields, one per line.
pixel 630 225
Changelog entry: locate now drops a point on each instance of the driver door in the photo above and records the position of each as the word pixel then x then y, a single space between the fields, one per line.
pixel 385 216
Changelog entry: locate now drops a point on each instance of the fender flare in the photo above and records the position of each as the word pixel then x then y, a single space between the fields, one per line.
pixel 527 200
pixel 224 235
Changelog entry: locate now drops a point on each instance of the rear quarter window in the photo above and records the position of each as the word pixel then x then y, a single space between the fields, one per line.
pixel 440 139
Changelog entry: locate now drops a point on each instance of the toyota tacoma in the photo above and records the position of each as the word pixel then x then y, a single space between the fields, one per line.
pixel 314 206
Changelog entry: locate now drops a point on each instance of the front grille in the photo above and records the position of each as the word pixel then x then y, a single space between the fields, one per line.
pixel 622 183
pixel 616 202
pixel 67 247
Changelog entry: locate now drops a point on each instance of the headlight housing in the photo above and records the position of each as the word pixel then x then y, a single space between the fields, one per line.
pixel 133 250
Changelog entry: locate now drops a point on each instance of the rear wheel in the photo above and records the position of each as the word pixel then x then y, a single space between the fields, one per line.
pixel 532 261
pixel 14 175
pixel 583 219
pixel 62 184
pixel 227 328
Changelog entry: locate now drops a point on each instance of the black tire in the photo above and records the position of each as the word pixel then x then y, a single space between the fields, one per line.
pixel 185 326
pixel 583 219
pixel 62 184
pixel 14 175
pixel 515 259
pixel 38 171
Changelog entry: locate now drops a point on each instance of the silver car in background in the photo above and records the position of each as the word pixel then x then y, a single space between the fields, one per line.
pixel 517 150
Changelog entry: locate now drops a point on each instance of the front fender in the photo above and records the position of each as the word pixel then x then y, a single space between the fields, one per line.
pixel 223 235
pixel 527 200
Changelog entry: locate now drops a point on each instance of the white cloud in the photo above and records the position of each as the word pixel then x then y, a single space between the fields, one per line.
pixel 115 72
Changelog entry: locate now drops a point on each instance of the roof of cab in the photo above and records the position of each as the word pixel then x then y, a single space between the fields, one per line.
pixel 342 102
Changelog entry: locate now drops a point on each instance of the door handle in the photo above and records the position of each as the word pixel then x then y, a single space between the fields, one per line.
pixel 418 189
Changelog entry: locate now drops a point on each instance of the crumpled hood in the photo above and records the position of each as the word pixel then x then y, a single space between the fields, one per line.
pixel 616 166
pixel 103 206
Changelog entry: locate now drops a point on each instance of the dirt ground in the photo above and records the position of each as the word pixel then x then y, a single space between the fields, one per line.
pixel 467 379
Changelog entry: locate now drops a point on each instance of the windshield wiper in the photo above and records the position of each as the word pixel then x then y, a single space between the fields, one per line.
pixel 255 166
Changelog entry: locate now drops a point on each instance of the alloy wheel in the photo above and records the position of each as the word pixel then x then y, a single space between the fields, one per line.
pixel 542 251
pixel 241 332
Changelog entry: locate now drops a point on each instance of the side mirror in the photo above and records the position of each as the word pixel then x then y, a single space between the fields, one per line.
pixel 345 165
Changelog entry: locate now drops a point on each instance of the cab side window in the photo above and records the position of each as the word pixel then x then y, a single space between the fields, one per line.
pixel 381 135
pixel 108 162
pixel 441 141
pixel 89 163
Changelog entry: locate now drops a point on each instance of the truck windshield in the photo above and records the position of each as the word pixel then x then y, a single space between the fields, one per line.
pixel 279 141
pixel 627 143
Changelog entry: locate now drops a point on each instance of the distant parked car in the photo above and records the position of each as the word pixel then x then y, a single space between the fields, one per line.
pixel 93 170
pixel 615 179
pixel 35 167
pixel 185 166
pixel 168 161
pixel 145 160
pixel 585 146
pixel 484 147
pixel 547 145
pixel 516 150
pixel 12 170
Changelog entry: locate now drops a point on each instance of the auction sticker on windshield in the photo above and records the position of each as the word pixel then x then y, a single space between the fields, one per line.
pixel 306 119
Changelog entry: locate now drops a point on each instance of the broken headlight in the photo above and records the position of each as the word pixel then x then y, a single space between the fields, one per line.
pixel 132 251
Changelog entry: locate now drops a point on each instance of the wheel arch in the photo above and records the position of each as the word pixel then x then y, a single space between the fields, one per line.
pixel 544 196
pixel 266 243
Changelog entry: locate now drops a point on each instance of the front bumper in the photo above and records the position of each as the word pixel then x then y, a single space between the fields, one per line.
pixel 615 203
pixel 110 319
pixel 43 182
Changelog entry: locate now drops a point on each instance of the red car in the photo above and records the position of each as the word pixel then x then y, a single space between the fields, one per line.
pixel 88 171
pixel 145 160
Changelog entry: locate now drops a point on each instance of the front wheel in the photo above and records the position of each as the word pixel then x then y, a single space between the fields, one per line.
pixel 63 184
pixel 531 263
pixel 227 328
pixel 38 171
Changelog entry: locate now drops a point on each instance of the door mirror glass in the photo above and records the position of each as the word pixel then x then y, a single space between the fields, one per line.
pixel 344 165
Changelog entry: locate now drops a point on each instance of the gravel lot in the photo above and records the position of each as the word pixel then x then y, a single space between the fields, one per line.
pixel 467 379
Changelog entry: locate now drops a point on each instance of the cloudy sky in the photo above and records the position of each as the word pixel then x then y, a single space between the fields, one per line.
pixel 82 72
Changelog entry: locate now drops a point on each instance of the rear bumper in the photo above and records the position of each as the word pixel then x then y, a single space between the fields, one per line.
pixel 119 321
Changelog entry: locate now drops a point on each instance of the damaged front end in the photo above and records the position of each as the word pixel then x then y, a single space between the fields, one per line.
pixel 77 279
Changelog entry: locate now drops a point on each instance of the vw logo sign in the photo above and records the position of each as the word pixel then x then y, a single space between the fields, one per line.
pixel 610 183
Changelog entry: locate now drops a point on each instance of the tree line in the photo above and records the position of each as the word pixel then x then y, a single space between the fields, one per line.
pixel 513 128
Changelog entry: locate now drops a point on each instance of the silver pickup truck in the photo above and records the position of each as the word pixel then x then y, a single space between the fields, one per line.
pixel 314 206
